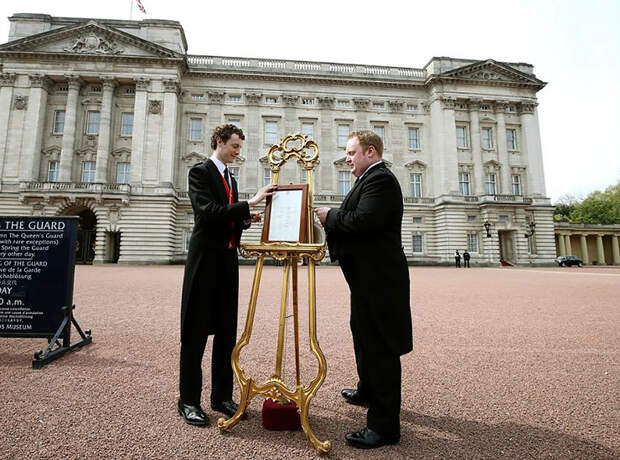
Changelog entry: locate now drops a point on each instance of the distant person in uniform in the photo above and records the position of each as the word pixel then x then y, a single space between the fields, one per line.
pixel 364 235
pixel 466 259
pixel 211 281
pixel 457 259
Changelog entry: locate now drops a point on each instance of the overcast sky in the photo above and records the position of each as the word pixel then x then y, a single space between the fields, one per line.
pixel 573 45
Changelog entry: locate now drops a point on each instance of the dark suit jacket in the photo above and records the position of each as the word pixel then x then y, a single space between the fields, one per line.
pixel 364 235
pixel 211 235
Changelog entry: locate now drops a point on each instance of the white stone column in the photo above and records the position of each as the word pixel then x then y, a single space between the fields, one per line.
pixel 561 244
pixel 251 146
pixel 105 121
pixel 531 149
pixel 7 81
pixel 615 249
pixel 329 149
pixel 569 247
pixel 168 147
pixel 502 148
pixel 476 152
pixel 584 249
pixel 139 130
pixel 600 252
pixel 33 128
pixel 445 158
pixel 68 135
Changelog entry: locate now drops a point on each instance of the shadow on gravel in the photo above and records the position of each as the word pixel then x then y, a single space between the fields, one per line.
pixel 447 437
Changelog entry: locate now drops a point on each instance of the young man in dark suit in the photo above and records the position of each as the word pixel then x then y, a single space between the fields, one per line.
pixel 211 282
pixel 364 235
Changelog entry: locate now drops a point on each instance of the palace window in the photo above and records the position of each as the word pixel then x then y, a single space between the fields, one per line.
pixel 461 137
pixel 511 139
pixel 472 242
pixel 122 173
pixel 271 132
pixel 59 121
pixel 234 172
pixel 126 124
pixel 380 131
pixel 234 98
pixel 195 129
pixel 271 100
pixel 378 105
pixel 344 182
pixel 343 103
pixel 308 130
pixel 52 171
pixel 307 101
pixel 266 176
pixel 88 171
pixel 464 183
pixel 198 97
pixel 516 184
pixel 92 122
pixel 412 107
pixel 414 138
pixel 187 234
pixel 416 244
pixel 490 184
pixel 343 135
pixel 416 220
pixel 416 184
pixel 487 138
pixel 234 121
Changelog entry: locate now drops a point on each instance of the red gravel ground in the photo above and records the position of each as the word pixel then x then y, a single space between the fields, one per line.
pixel 508 363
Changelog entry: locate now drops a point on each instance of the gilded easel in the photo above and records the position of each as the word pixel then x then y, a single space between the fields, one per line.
pixel 306 152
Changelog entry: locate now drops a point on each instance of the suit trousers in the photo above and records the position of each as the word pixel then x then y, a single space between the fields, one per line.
pixel 212 311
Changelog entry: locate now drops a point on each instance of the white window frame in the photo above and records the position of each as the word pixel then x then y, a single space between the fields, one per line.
pixel 344 182
pixel 271 100
pixel 266 176
pixel 415 181
pixel 379 130
pixel 126 124
pixel 473 242
pixel 235 171
pixel 123 172
pixel 307 128
pixel 517 186
pixel 414 237
pixel 92 122
pixel 234 98
pixel 88 171
pixel 52 170
pixel 511 139
pixel 341 138
pixel 271 136
pixel 57 122
pixel 413 141
pixel 195 129
pixel 486 138
pixel 465 138
pixel 465 184
pixel 490 184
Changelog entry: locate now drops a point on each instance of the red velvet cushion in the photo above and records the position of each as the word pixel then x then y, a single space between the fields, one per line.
pixel 279 416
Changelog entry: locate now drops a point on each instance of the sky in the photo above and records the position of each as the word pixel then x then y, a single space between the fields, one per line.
pixel 573 45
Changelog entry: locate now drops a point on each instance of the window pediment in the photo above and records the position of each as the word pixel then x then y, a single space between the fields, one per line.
pixel 194 157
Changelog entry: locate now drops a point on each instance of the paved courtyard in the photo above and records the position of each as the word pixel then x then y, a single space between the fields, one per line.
pixel 508 363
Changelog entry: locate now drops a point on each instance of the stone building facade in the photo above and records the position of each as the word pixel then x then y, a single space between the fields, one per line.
pixel 593 244
pixel 103 119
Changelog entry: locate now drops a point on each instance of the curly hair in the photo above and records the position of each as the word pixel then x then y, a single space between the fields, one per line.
pixel 225 132
pixel 368 138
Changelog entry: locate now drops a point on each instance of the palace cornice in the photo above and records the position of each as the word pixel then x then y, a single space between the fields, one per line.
pixel 56 56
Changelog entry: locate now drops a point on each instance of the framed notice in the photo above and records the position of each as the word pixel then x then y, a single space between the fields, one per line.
pixel 285 215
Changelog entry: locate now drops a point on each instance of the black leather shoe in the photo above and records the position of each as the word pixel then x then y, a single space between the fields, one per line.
pixel 193 415
pixel 369 439
pixel 353 397
pixel 228 408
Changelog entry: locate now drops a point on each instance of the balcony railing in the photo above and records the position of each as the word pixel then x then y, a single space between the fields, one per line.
pixel 279 66
pixel 82 187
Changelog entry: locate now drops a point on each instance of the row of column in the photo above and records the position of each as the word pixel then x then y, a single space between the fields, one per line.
pixel 566 248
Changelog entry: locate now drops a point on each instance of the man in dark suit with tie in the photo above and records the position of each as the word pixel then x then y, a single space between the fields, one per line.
pixel 364 235
pixel 211 281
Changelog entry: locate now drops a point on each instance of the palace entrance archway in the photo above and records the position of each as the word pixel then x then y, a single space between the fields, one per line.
pixel 86 234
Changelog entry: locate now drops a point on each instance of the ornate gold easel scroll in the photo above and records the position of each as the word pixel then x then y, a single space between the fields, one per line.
pixel 306 152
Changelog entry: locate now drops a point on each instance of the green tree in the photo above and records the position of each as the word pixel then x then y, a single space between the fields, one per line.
pixel 563 208
pixel 598 208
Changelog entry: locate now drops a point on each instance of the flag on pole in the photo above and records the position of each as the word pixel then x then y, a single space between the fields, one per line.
pixel 141 6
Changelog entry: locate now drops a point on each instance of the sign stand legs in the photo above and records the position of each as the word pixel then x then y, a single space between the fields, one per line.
pixel 43 357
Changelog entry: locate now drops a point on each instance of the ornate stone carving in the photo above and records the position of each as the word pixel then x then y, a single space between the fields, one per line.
pixel 290 99
pixel 326 101
pixel 114 213
pixel 92 43
pixel 7 79
pixel 396 105
pixel 108 83
pixel 474 104
pixel 142 84
pixel 39 81
pixel 20 102
pixel 216 97
pixel 527 107
pixel 253 98
pixel 500 106
pixel 172 86
pixel 73 82
pixel 361 103
pixel 447 102
pixel 155 107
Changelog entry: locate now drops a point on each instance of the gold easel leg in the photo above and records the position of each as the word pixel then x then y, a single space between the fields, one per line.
pixel 303 403
pixel 282 324
pixel 245 384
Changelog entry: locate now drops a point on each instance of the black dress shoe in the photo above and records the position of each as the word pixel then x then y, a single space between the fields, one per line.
pixel 228 408
pixel 193 415
pixel 369 439
pixel 353 397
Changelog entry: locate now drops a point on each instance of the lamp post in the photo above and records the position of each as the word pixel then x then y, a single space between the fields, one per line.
pixel 487 226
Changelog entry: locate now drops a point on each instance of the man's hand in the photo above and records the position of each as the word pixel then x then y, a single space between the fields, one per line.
pixel 321 213
pixel 263 193
pixel 255 217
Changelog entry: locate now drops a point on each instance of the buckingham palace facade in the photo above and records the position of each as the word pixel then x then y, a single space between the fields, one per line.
pixel 103 119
